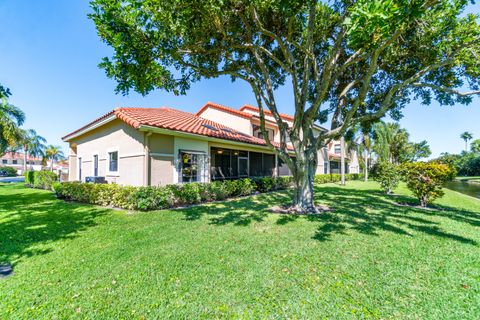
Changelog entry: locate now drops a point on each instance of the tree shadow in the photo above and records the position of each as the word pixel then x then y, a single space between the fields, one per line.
pixel 36 218
pixel 371 211
pixel 367 212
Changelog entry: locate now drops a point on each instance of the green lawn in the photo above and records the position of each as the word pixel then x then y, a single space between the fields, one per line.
pixel 368 259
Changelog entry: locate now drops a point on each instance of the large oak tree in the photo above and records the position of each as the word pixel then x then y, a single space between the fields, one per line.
pixel 347 62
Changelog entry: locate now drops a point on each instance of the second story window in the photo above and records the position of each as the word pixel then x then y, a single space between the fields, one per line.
pixel 257 132
pixel 338 149
pixel 15 161
pixel 4 161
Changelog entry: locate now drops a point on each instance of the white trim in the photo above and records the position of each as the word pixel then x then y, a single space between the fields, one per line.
pixel 90 127
pixel 131 155
pixel 156 154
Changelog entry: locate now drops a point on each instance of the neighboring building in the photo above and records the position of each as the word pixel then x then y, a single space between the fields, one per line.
pixel 16 160
pixel 158 146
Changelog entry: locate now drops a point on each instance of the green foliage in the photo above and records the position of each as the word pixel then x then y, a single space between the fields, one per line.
pixel 8 172
pixel 11 118
pixel 40 179
pixel 161 197
pixel 425 180
pixel 387 174
pixel 392 144
pixel 350 62
pixel 475 146
pixel 466 136
pixel 335 177
pixel 465 164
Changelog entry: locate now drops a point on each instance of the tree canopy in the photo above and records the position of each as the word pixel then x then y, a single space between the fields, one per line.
pixel 11 117
pixel 347 62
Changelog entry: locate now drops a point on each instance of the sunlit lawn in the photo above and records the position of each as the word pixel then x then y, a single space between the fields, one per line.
pixel 369 258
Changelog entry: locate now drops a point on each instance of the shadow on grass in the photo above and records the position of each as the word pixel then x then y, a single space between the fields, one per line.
pixel 364 211
pixel 32 218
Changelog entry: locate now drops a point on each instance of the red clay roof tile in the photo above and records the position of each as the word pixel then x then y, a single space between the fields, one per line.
pixel 176 120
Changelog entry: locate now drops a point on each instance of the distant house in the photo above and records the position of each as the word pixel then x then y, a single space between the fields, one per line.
pixel 158 146
pixel 16 160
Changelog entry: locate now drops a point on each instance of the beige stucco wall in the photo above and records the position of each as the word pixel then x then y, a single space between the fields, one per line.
pixel 113 136
pixel 227 119
pixel 161 159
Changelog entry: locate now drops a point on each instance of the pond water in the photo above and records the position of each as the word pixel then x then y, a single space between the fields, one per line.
pixel 471 189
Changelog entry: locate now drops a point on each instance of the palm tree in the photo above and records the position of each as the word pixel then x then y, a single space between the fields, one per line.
pixel 11 118
pixel 33 145
pixel 466 136
pixel 54 153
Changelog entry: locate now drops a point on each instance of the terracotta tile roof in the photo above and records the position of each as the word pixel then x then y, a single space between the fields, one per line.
pixel 176 120
pixel 18 155
pixel 267 112
pixel 220 107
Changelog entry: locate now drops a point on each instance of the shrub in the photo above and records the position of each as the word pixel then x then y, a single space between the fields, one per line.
pixel 426 180
pixel 154 198
pixel 335 177
pixel 8 172
pixel 387 174
pixel 29 177
pixel 40 179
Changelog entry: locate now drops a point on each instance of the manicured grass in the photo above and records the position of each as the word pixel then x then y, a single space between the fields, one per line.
pixel 369 258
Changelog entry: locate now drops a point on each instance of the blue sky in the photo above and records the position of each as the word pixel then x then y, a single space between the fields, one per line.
pixel 49 52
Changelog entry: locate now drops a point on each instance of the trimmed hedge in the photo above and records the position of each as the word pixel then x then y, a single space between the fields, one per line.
pixel 175 195
pixel 336 177
pixel 8 172
pixel 40 179
pixel 169 196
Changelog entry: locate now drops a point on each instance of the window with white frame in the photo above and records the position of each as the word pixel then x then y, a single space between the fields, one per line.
pixel 338 149
pixel 113 161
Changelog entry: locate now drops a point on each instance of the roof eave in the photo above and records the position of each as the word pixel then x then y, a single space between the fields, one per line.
pixel 146 128
pixel 89 127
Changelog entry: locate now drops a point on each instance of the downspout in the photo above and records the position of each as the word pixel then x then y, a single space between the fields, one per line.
pixel 146 172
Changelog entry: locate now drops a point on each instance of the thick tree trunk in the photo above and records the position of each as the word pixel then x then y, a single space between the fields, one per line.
pixel 366 167
pixel 303 177
pixel 342 160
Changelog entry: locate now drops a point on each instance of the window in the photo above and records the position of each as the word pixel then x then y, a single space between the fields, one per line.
pixel 80 169
pixel 14 161
pixel 228 164
pixel 257 132
pixel 95 165
pixel 192 166
pixel 113 161
pixel 4 161
pixel 338 149
pixel 325 167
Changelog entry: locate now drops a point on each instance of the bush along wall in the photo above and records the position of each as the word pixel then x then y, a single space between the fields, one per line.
pixel 8 172
pixel 40 179
pixel 336 177
pixel 175 195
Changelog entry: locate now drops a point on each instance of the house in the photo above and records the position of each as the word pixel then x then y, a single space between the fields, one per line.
pixel 16 160
pixel 158 146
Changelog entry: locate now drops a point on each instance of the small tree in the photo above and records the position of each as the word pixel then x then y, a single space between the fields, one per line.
pixel 387 174
pixel 426 180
